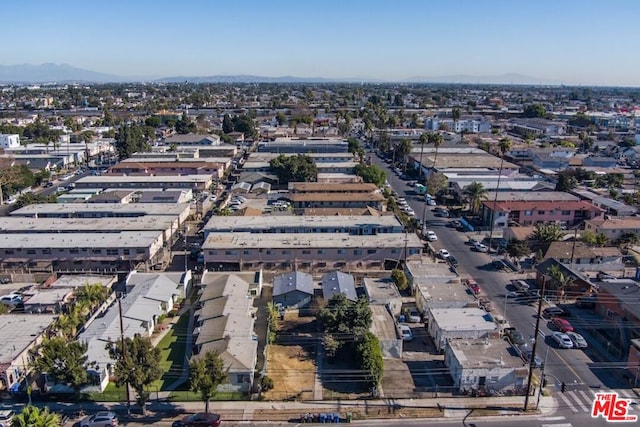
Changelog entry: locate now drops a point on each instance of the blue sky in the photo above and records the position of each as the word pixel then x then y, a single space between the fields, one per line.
pixel 569 41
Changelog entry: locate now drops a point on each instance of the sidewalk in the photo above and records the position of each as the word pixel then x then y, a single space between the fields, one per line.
pixel 360 411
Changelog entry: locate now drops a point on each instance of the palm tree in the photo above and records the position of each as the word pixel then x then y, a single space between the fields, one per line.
pixel 475 193
pixel 32 416
pixel 562 280
pixel 504 145
pixel 543 234
pixel 403 150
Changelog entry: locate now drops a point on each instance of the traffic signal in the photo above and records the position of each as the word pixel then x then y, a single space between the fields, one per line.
pixel 563 387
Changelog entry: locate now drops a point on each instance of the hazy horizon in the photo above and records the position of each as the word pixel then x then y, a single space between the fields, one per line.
pixel 565 42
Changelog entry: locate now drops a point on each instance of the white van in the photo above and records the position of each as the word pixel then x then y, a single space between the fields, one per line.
pixel 520 285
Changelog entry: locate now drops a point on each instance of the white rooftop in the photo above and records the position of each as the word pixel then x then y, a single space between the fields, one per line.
pixel 117 209
pixel 266 222
pixel 17 331
pixel 463 319
pixel 124 239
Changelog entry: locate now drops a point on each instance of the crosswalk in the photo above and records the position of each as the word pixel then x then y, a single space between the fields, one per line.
pixel 582 400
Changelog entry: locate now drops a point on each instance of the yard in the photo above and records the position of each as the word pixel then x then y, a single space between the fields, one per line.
pixel 293 372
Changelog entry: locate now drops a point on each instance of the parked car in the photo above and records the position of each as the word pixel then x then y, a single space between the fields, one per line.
pixel 577 340
pixel 550 312
pixel 405 332
pixel 562 340
pixel 472 285
pixel 414 315
pixel 526 352
pixel 453 261
pixel 486 304
pixel 202 419
pixel 431 236
pixel 515 336
pixel 444 254
pixel 562 325
pixel 48 184
pixel 11 299
pixel 5 417
pixel 100 419
pixel 480 247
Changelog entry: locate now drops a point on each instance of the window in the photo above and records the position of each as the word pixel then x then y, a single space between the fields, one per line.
pixel 320 251
pixel 126 252
pixel 357 251
pixel 230 252
pixel 245 252
pixel 540 212
pixel 139 251
pixel 371 251
pixel 97 251
pixel 340 251
pixel 213 252
pixel 306 252
pixel 493 379
pixel 394 251
pixel 269 252
pixel 112 252
pixel 528 213
pixel 566 213
pixel 31 251
pixel 8 252
pixel 286 252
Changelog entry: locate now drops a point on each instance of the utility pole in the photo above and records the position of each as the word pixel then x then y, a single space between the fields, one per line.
pixel 186 232
pixel 124 351
pixel 532 361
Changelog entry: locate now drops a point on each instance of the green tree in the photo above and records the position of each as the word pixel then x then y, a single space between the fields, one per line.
pixel 64 359
pixel 372 174
pixel 131 139
pixel 591 238
pixel 206 373
pixel 246 125
pixel 330 345
pixel 153 121
pixel 371 361
pixel 138 365
pixel 346 319
pixel 185 125
pixel 31 198
pixel 628 239
pixel 566 182
pixel 399 278
pixel 299 168
pixel 403 150
pixel 561 280
pixel 543 234
pixel 517 249
pixel 32 416
pixel 281 118
pixel 534 110
pixel 475 193
pixel 227 124
pixel 456 113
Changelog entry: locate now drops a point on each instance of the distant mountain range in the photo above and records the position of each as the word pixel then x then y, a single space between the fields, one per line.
pixel 64 73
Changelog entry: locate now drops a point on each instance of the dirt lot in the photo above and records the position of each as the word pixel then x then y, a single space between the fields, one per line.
pixel 292 371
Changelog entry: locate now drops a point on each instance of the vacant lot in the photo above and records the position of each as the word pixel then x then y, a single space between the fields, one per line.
pixel 293 372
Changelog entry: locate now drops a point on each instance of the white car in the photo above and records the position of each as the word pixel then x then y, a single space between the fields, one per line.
pixel 406 333
pixel 431 236
pixel 444 254
pixel 562 340
pixel 11 299
pixel 480 247
pixel 431 202
pixel 577 340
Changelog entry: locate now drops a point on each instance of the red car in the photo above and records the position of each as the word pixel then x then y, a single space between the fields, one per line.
pixel 561 324
pixel 473 285
pixel 202 419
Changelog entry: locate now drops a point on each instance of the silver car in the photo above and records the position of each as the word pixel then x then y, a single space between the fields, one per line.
pixel 577 340
pixel 100 419
pixel 562 340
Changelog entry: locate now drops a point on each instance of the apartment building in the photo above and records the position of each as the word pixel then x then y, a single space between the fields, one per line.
pixel 531 212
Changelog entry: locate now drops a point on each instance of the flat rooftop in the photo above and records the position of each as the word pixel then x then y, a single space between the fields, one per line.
pixel 17 331
pixel 335 197
pixel 107 179
pixel 446 161
pixel 427 271
pixel 530 196
pixel 315 240
pixel 380 290
pixel 484 353
pixel 125 239
pixel 117 209
pixel 382 324
pixel 463 319
pixel 268 222
pixel 27 224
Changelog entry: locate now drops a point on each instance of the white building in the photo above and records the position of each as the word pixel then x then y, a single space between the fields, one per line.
pixel 484 365
pixel 445 324
pixel 9 140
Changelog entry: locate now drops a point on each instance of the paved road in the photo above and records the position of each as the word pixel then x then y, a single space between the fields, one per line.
pixel 571 366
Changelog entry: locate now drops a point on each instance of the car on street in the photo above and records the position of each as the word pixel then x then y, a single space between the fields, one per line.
pixel 525 352
pixel 472 285
pixel 405 332
pixel 561 325
pixel 453 261
pixel 577 340
pixel 550 312
pixel 431 202
pixel 48 184
pixel 562 340
pixel 201 419
pixel 514 336
pixel 444 254
pixel 431 236
pixel 100 419
pixel 479 247
pixel 454 224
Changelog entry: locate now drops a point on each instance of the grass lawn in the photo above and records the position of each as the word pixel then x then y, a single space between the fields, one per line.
pixel 172 351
